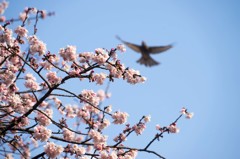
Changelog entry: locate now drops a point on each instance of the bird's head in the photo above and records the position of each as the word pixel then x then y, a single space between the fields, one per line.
pixel 144 45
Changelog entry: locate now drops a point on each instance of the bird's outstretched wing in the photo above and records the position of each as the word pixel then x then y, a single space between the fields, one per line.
pixel 159 49
pixel 130 45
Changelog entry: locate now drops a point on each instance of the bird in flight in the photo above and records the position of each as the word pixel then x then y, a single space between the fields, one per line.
pixel 145 50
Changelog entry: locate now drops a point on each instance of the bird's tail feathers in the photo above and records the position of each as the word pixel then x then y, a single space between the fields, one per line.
pixel 147 61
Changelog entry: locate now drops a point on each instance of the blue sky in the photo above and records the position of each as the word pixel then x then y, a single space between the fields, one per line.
pixel 201 72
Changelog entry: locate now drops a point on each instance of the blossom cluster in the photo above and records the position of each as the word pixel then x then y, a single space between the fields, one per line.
pixel 53 150
pixel 187 114
pixel 77 150
pixel 30 82
pixel 119 117
pixel 98 139
pixel 21 31
pixel 69 53
pixel 44 118
pixel 41 133
pixel 53 78
pixel 68 135
pixel 36 45
pixel 3 7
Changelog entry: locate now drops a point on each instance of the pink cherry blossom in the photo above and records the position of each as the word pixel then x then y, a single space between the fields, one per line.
pixel 21 104
pixel 120 137
pixel 36 45
pixel 67 134
pixel 52 150
pixel 101 95
pixel 108 109
pixel 3 89
pixel 105 123
pixel 114 56
pixel 158 127
pixel 173 128
pixel 69 53
pixel 85 57
pixel 44 104
pixel 83 113
pixel 71 111
pixel 3 6
pixel 132 153
pixel 90 96
pixel 22 16
pixel 7 36
pixel 16 101
pixel 41 133
pixel 100 56
pixel 52 78
pixel 91 109
pixel 103 155
pixel 43 119
pixel 147 119
pixel 89 148
pixel 121 48
pixel 139 128
pixel 113 155
pixel 31 84
pixel 120 117
pixel 8 77
pixel 189 115
pixel 78 138
pixel 57 101
pixel 75 71
pixel 2 18
pixel 29 76
pixel 186 113
pixel 97 137
pixel 132 76
pixel 21 31
pixel 24 122
pixel 99 78
pixel 43 14
pixel 47 64
pixel 183 110
pixel 117 70
pixel 78 150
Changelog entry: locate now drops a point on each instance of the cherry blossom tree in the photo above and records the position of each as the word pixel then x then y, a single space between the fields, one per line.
pixel 33 114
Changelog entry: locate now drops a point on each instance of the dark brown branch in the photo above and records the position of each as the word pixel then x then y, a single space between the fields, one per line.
pixel 160 135
pixel 83 100
pixel 30 18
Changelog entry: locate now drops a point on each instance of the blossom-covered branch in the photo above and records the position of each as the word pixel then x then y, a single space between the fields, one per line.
pixel 33 93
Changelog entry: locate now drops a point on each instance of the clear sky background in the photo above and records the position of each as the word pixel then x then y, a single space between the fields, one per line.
pixel 201 72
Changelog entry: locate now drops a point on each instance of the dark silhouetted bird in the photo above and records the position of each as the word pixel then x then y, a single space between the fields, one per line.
pixel 145 50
